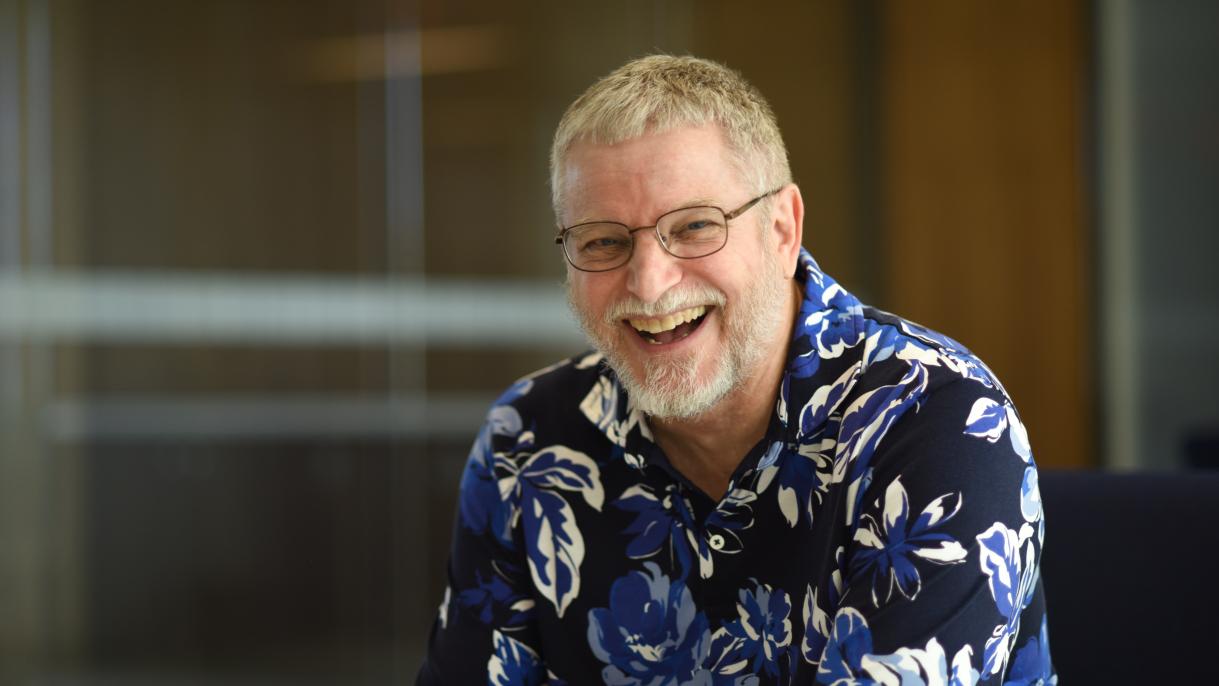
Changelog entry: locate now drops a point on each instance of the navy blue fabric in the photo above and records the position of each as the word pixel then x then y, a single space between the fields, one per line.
pixel 1131 576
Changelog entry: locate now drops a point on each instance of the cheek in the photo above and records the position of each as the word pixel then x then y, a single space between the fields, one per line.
pixel 582 307
pixel 592 295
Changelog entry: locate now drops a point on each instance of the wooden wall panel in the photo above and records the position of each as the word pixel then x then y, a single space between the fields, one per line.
pixel 982 198
pixel 805 65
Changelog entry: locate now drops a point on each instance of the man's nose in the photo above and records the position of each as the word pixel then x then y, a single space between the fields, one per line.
pixel 652 270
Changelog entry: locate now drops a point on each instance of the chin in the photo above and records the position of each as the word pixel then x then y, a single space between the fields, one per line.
pixel 673 387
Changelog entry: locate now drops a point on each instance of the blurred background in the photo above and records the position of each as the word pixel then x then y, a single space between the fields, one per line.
pixel 264 263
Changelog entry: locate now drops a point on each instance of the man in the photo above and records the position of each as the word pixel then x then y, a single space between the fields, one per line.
pixel 755 479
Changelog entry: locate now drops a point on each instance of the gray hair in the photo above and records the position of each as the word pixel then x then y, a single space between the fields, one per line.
pixel 659 93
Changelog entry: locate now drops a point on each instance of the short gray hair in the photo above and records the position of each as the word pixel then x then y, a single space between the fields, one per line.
pixel 659 93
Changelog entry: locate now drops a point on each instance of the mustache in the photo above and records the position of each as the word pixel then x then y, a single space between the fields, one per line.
pixel 671 301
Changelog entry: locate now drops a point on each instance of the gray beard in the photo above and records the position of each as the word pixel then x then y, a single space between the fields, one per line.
pixel 670 387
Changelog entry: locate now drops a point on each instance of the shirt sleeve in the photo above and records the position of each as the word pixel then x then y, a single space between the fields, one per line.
pixel 941 579
pixel 484 630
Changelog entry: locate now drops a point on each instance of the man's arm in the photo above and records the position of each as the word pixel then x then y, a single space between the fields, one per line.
pixel 483 631
pixel 941 580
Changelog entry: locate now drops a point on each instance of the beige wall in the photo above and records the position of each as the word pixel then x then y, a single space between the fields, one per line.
pixel 983 189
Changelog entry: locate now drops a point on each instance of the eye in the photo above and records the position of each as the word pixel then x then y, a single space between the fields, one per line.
pixel 602 244
pixel 696 228
pixel 597 241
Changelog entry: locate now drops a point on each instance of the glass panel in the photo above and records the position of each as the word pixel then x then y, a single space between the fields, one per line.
pixel 239 380
pixel 244 340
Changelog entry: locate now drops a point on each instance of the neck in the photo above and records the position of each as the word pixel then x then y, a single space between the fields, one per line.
pixel 708 448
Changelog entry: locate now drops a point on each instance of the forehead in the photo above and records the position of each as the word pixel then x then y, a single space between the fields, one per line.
pixel 636 180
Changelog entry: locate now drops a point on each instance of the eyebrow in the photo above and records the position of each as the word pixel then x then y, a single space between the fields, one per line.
pixel 696 202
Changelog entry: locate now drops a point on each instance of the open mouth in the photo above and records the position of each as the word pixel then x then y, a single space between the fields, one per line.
pixel 671 327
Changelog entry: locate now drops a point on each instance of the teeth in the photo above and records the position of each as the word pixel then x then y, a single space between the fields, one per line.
pixel 669 321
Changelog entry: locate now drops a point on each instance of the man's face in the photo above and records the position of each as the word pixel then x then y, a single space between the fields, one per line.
pixel 680 333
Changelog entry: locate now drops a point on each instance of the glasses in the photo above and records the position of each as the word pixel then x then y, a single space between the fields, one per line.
pixel 688 233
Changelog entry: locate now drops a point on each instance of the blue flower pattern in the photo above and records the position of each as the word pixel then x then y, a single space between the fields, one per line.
pixel 651 634
pixel 1007 558
pixel 888 547
pixel 849 659
pixel 495 600
pixel 759 641
pixel 513 663
pixel 662 522
pixel 1031 665
pixel 816 617
pixel 830 526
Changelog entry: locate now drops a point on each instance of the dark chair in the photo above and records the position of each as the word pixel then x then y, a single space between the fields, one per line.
pixel 1131 574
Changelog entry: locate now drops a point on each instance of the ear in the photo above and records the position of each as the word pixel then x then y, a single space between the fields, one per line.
pixel 787 226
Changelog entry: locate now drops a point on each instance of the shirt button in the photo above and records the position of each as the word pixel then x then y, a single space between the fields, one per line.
pixel 716 541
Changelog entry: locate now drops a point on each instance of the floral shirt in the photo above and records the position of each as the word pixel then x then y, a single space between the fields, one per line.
pixel 886 530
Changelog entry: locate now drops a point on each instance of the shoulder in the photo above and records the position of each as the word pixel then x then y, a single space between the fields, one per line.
pixel 554 390
pixel 544 407
pixel 922 391
pixel 952 423
pixel 896 348
pixel 538 409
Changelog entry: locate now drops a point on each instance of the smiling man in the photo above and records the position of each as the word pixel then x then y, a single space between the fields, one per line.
pixel 754 478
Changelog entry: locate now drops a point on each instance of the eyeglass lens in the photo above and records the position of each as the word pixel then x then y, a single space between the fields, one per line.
pixel 688 232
